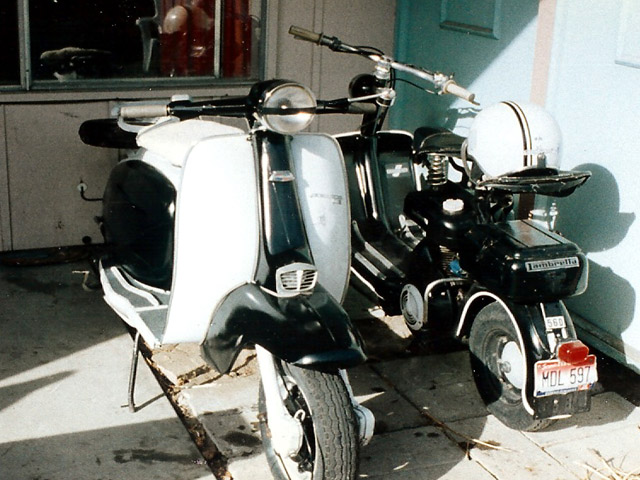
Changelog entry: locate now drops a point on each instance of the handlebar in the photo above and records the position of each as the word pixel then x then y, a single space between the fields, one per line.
pixel 321 39
pixel 185 108
pixel 361 107
pixel 144 111
pixel 444 83
pixel 306 35
pixel 234 107
pixel 454 89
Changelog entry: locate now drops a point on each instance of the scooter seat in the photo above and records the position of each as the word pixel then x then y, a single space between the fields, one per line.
pixel 431 140
pixel 105 132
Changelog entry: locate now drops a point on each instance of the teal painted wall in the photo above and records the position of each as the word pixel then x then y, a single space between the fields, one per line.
pixel 494 69
pixel 597 103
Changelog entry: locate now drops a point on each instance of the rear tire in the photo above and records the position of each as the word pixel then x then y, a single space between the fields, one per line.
pixel 496 361
pixel 331 447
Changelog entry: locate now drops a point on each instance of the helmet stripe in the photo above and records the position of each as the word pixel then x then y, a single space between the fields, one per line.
pixel 527 157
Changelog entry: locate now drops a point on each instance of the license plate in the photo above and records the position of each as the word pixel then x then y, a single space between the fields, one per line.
pixel 553 377
pixel 554 322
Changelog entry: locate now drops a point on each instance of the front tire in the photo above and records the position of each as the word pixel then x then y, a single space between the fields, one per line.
pixel 330 446
pixel 497 363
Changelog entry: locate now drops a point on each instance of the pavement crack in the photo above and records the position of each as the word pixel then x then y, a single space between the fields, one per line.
pixel 209 451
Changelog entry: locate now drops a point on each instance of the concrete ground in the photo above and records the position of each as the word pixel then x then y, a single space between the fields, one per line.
pixel 64 365
pixel 64 361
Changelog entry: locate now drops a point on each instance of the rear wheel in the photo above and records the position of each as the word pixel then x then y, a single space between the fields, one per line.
pixel 321 402
pixel 498 366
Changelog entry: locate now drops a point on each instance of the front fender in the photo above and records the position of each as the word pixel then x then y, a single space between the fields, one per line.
pixel 311 331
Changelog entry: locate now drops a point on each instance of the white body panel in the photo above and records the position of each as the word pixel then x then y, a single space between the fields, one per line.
pixel 217 223
pixel 321 181
pixel 173 139
pixel 217 233
pixel 217 226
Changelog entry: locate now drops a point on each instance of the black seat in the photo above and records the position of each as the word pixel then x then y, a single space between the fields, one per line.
pixel 432 140
pixel 106 133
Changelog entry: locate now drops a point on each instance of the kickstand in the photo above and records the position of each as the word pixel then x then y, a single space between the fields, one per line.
pixel 133 371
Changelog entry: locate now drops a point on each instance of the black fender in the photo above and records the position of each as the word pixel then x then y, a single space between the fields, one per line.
pixel 311 331
pixel 529 321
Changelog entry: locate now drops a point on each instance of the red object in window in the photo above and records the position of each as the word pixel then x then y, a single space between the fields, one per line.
pixel 574 352
pixel 187 37
pixel 188 34
pixel 236 51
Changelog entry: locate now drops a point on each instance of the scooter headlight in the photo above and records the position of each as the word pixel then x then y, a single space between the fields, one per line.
pixel 287 108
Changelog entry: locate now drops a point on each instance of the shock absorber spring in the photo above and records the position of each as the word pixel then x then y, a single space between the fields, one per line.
pixel 437 166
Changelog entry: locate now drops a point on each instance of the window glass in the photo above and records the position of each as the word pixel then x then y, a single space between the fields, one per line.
pixel 75 40
pixel 10 66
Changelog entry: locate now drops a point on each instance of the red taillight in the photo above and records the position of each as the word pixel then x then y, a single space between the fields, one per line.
pixel 573 352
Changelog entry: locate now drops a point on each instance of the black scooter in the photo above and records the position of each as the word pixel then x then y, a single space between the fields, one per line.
pixel 462 256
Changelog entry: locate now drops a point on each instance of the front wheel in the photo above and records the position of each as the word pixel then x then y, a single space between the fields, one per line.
pixel 321 403
pixel 498 366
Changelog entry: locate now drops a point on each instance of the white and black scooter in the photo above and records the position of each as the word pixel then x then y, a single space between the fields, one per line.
pixel 470 254
pixel 230 237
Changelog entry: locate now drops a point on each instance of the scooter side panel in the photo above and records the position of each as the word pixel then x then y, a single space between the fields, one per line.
pixel 322 187
pixel 395 174
pixel 379 189
pixel 217 233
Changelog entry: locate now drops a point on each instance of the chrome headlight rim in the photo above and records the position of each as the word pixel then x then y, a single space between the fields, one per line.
pixel 287 108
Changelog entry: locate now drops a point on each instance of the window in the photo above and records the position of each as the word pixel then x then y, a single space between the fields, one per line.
pixel 10 66
pixel 97 42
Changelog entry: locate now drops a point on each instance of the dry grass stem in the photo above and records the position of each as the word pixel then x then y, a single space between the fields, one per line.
pixel 609 471
pixel 469 440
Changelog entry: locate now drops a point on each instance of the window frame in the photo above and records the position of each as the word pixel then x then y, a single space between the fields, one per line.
pixel 28 84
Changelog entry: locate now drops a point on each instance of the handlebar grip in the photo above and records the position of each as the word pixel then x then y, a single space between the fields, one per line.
pixel 303 34
pixel 454 89
pixel 361 107
pixel 143 111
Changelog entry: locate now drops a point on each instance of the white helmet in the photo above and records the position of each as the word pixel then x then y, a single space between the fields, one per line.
pixel 508 137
